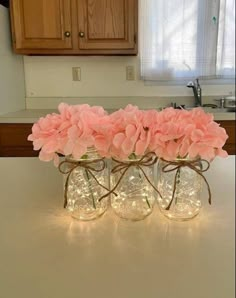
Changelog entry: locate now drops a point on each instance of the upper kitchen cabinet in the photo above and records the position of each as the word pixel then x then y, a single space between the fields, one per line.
pixel 75 27
pixel 107 25
pixel 43 24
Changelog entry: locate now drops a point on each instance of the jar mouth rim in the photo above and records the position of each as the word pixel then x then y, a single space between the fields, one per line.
pixel 134 157
pixel 70 158
pixel 127 159
pixel 67 158
pixel 85 157
pixel 181 159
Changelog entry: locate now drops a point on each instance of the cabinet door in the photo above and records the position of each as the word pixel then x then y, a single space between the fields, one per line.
pixel 13 140
pixel 41 24
pixel 229 126
pixel 107 24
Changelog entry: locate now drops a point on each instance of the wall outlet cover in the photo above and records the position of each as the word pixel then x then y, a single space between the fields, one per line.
pixel 130 73
pixel 76 73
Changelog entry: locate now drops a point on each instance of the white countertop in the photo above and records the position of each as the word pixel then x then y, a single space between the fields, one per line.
pixel 31 116
pixel 46 254
pixel 25 116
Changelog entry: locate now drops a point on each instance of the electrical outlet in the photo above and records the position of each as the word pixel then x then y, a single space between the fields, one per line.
pixel 76 73
pixel 130 75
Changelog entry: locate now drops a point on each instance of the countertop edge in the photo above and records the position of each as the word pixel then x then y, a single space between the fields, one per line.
pixel 32 116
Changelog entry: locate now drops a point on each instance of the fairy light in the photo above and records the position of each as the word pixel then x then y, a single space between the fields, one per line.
pixel 135 196
pixel 84 193
pixel 185 203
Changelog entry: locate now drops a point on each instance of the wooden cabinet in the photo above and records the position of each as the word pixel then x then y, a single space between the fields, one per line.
pixel 75 27
pixel 106 24
pixel 13 139
pixel 229 126
pixel 44 24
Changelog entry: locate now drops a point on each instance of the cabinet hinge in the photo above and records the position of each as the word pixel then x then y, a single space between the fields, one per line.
pixel 135 37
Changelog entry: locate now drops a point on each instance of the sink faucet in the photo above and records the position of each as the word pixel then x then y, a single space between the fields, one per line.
pixel 197 91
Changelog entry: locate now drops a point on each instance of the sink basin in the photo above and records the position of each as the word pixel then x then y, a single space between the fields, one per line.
pixel 214 110
pixel 219 110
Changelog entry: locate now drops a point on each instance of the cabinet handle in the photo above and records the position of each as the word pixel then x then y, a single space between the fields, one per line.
pixel 67 34
pixel 81 34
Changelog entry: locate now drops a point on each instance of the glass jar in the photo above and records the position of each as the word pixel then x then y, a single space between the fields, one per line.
pixel 83 191
pixel 135 195
pixel 183 202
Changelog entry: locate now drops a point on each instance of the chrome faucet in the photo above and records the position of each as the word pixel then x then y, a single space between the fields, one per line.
pixel 197 91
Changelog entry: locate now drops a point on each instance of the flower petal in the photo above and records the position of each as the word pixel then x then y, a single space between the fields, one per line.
pixel 118 139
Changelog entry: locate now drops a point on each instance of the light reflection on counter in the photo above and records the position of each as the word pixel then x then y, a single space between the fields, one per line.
pixel 146 235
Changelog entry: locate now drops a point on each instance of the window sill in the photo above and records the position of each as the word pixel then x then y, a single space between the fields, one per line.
pixel 184 82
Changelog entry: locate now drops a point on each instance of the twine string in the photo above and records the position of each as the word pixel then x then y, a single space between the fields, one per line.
pixel 147 160
pixel 89 166
pixel 196 165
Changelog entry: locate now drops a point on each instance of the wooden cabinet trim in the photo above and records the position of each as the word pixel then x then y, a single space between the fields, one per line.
pixel 78 52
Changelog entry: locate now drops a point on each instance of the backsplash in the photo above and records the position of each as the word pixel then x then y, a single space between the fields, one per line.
pixel 109 103
pixel 49 80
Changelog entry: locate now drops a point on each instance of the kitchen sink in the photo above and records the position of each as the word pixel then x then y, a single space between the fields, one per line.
pixel 218 110
pixel 214 110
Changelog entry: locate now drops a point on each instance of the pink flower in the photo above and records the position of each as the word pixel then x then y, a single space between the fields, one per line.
pixel 46 136
pixel 170 133
pixel 71 132
pixel 181 134
pixel 131 131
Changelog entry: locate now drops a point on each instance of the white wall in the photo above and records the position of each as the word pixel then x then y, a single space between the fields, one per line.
pixel 49 81
pixel 12 83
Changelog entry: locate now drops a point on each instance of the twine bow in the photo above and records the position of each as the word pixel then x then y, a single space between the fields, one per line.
pixel 195 165
pixel 89 166
pixel 147 160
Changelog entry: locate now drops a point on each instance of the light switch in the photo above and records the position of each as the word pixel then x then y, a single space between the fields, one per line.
pixel 130 75
pixel 76 73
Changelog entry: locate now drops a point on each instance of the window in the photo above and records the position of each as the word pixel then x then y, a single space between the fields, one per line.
pixel 183 39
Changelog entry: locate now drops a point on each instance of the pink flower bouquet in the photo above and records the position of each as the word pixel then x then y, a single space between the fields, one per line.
pixel 71 132
pixel 185 141
pixel 170 133
pixel 187 134
pixel 132 131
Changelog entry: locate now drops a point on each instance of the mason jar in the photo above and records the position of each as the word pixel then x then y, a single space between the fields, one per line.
pixel 180 187
pixel 135 195
pixel 85 185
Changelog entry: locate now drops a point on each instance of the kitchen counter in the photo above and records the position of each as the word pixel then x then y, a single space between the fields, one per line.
pixel 44 253
pixel 25 116
pixel 31 116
